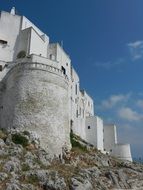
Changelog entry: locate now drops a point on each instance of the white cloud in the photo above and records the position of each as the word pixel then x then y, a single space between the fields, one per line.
pixel 113 100
pixel 109 64
pixel 136 50
pixel 127 113
pixel 140 103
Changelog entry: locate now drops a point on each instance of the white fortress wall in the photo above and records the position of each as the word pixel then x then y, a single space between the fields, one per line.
pixel 63 59
pixel 9 30
pixel 41 92
pixel 110 137
pixel 30 102
pixel 25 23
pixel 51 52
pixel 91 130
pixel 74 99
pixel 23 43
pixel 100 145
pixel 30 42
pixel 88 104
pixel 94 131
pixel 38 46
pixel 122 151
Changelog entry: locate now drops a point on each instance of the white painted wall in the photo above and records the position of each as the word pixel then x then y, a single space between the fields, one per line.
pixel 110 137
pixel 122 151
pixel 36 99
pixel 55 51
pixel 37 45
pixel 88 104
pixel 23 43
pixel 94 131
pixel 27 24
pixel 74 99
pixel 9 30
pixel 100 145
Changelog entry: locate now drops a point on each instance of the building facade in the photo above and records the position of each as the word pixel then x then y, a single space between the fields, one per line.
pixel 40 91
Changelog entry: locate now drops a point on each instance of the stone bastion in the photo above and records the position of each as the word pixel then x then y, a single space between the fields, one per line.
pixel 34 97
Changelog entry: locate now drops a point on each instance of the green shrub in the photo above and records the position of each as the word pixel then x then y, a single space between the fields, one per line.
pixel 20 139
pixel 33 179
pixel 26 133
pixel 25 167
pixel 76 144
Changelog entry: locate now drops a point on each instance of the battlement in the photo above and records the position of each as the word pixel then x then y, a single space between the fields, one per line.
pixel 39 66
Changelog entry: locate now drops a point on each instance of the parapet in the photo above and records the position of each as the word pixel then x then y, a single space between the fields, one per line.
pixel 38 66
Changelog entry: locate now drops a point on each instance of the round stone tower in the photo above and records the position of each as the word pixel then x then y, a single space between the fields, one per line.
pixel 35 98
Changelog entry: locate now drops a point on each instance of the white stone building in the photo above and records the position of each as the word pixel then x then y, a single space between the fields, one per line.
pixel 112 146
pixel 40 91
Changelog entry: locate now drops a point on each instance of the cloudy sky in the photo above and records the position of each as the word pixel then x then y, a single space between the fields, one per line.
pixel 104 39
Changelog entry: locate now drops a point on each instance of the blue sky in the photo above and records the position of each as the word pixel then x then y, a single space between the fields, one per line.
pixel 104 39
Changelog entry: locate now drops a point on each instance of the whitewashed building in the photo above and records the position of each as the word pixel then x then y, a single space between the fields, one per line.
pixel 40 91
pixel 112 146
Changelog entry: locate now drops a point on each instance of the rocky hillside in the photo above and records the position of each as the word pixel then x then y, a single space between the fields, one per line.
pixel 26 166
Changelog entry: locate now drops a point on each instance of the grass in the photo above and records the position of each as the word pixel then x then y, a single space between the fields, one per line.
pixel 25 167
pixel 32 179
pixel 3 134
pixel 76 145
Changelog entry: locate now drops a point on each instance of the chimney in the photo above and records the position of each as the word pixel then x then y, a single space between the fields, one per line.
pixel 12 11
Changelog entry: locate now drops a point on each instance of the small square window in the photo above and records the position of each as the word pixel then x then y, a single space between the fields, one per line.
pixel 3 42
pixel 88 127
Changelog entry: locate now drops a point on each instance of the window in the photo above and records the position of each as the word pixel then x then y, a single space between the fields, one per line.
pixel 64 70
pixel 88 127
pixel 3 42
pixel 76 89
pixel 89 104
pixel 66 64
pixel 110 150
pixel 51 56
pixel 0 67
pixel 80 111
pixel 76 113
pixel 71 123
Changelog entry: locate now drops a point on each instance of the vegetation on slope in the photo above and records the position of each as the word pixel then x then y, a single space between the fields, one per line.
pixel 24 165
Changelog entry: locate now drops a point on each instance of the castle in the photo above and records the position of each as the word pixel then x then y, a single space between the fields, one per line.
pixel 40 91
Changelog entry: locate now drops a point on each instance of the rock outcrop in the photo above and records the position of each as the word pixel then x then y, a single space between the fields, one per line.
pixel 24 165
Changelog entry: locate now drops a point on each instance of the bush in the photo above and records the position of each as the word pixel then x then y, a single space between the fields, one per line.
pixel 76 144
pixel 20 139
pixel 25 167
pixel 33 179
pixel 26 133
